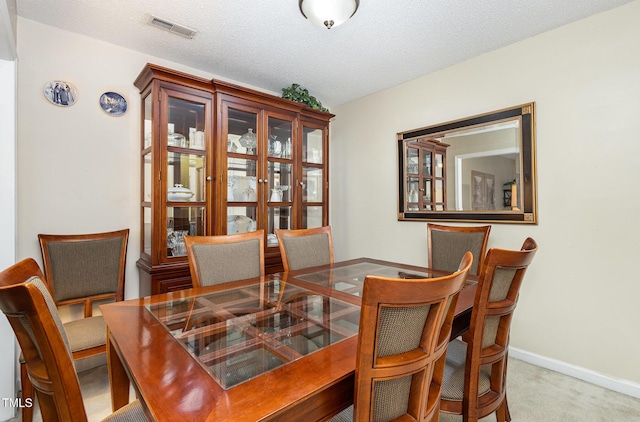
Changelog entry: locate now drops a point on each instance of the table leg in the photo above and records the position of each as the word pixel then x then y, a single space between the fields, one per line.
pixel 118 379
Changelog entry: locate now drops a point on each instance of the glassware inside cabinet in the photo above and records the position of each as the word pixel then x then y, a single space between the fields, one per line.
pixel 241 136
pixel 413 190
pixel 279 142
pixel 185 177
pixel 241 180
pixel 280 180
pixel 183 221
pixel 312 145
pixel 241 219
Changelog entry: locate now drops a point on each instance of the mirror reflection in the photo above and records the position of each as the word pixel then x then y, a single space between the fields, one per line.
pixel 480 168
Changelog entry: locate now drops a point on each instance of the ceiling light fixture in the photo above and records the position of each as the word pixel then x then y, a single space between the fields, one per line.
pixel 328 13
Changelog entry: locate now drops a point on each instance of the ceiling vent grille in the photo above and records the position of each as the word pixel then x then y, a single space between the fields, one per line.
pixel 172 27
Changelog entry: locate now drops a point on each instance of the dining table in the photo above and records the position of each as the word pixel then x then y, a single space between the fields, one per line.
pixel 280 347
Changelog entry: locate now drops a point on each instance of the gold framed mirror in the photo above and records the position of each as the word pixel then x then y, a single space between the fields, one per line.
pixel 477 169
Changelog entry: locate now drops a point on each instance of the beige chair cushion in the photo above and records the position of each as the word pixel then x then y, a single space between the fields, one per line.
pixel 453 382
pixel 86 333
pixel 132 412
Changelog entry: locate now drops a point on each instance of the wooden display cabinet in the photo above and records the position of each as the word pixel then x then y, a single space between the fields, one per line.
pixel 220 159
pixel 425 175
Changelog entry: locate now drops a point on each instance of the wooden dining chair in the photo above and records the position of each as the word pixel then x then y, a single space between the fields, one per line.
pixel 475 378
pixel 305 248
pixel 447 245
pixel 402 341
pixel 82 270
pixel 218 259
pixel 32 313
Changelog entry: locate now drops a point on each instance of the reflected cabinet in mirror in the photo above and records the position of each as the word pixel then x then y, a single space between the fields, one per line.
pixel 480 168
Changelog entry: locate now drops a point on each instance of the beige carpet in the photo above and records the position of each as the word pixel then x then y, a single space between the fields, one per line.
pixel 535 395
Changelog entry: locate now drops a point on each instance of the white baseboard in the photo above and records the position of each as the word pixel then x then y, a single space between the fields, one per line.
pixel 620 385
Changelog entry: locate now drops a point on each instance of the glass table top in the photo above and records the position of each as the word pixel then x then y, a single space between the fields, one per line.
pixel 350 278
pixel 241 333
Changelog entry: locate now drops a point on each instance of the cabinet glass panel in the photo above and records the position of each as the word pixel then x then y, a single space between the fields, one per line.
pixel 412 160
pixel 186 124
pixel 241 180
pixel 426 191
pixel 185 177
pixel 426 162
pixel 439 191
pixel 183 221
pixel 279 143
pixel 241 136
pixel 147 136
pixel 241 219
pixel 312 145
pixel 311 216
pixel 277 218
pixel 312 184
pixel 439 166
pixel 146 178
pixel 413 189
pixel 280 181
pixel 146 230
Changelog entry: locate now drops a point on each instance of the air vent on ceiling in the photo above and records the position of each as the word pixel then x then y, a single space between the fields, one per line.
pixel 172 27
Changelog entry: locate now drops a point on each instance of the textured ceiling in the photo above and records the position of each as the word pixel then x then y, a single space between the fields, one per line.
pixel 269 44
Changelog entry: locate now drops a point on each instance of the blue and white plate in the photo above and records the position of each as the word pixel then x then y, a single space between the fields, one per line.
pixel 113 103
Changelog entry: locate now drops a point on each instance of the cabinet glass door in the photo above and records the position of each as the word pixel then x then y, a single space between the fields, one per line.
pixel 280 177
pixel 185 170
pixel 313 184
pixel 244 186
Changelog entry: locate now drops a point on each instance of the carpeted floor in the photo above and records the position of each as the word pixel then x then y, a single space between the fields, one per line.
pixel 535 395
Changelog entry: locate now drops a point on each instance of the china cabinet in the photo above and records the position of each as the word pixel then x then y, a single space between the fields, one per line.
pixel 218 158
pixel 425 175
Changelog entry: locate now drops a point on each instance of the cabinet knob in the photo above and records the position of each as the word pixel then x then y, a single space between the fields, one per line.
pixel 209 178
pixel 260 181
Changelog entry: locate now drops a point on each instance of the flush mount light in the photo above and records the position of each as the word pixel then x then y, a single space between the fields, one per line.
pixel 328 13
pixel 172 27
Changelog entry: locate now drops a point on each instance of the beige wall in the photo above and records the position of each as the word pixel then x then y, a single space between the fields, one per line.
pixel 78 168
pixel 579 302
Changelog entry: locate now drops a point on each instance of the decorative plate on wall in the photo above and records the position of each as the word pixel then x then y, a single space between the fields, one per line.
pixel 113 103
pixel 61 93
